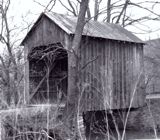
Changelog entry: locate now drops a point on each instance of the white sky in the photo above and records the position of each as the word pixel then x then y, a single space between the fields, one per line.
pixel 20 8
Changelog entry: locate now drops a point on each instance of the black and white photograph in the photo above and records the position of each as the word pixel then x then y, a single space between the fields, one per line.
pixel 79 69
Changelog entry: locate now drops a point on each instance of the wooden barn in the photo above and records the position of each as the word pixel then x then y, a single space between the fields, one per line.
pixel 111 80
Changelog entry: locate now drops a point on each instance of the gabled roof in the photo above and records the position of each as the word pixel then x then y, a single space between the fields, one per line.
pixel 92 28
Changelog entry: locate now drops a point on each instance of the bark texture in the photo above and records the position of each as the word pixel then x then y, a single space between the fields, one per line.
pixel 73 75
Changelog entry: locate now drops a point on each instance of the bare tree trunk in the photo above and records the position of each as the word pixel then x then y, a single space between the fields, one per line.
pixel 5 38
pixel 108 11
pixel 96 10
pixel 88 13
pixel 73 89
pixel 122 11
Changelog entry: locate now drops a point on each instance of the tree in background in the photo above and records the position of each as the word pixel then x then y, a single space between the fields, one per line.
pixel 71 108
pixel 152 65
pixel 11 60
pixel 114 12
pixel 122 12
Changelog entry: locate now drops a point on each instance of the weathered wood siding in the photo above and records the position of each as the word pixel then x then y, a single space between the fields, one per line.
pixel 45 32
pixel 26 75
pixel 109 81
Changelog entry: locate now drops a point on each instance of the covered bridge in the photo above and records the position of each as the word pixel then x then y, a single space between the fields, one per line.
pixel 114 76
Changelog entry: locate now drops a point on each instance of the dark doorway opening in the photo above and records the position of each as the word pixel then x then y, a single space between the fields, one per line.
pixel 48 70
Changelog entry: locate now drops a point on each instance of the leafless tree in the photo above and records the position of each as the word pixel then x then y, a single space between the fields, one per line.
pixel 10 73
pixel 152 65
pixel 73 92
pixel 117 11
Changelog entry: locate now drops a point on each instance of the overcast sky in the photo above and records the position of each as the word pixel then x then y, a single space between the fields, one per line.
pixel 20 8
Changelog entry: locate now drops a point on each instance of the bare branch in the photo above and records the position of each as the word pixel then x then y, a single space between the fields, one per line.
pixel 67 8
pixel 39 3
pixel 91 61
pixel 139 6
pixel 132 21
pixel 72 7
pixel 122 11
pixel 50 2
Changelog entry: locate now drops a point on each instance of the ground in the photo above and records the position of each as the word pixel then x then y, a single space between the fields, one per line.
pixel 142 123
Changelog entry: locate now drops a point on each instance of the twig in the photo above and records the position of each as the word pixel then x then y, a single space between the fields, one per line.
pixel 132 98
pixel 90 61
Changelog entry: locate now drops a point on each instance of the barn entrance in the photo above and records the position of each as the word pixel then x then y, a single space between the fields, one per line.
pixel 48 68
